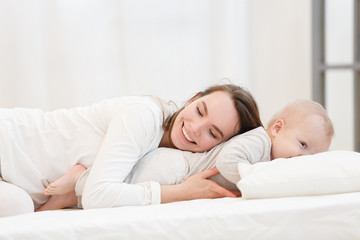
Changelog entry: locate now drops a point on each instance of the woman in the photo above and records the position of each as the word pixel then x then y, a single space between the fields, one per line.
pixel 37 148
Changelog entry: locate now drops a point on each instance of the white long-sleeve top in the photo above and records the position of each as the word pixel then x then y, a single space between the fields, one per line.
pixel 110 136
pixel 171 166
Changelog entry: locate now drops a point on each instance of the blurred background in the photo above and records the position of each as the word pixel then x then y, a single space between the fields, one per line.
pixel 67 53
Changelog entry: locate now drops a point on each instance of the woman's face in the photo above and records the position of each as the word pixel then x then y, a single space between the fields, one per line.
pixel 205 122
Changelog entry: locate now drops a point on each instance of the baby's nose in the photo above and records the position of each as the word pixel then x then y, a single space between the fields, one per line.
pixel 298 155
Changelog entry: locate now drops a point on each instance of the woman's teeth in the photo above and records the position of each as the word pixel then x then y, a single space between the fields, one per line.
pixel 187 136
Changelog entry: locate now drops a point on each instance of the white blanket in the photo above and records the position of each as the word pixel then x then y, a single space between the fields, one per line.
pixel 319 217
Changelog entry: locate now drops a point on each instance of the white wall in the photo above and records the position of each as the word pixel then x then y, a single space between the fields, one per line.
pixel 281 59
pixel 56 54
pixel 280 43
pixel 339 83
pixel 67 53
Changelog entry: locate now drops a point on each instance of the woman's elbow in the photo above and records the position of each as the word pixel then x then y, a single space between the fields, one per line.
pixel 88 203
pixel 91 201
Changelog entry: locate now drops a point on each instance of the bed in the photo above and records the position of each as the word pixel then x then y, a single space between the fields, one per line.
pixel 306 197
pixel 335 216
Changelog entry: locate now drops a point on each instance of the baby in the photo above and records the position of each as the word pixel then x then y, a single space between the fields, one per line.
pixel 301 128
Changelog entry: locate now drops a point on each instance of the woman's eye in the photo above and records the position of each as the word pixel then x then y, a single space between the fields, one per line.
pixel 198 110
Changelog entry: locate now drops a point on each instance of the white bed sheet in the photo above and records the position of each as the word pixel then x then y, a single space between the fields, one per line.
pixel 319 217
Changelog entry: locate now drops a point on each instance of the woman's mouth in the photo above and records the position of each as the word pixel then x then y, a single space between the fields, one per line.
pixel 186 135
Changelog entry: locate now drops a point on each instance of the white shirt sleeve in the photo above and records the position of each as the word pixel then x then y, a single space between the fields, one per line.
pixel 133 131
pixel 250 147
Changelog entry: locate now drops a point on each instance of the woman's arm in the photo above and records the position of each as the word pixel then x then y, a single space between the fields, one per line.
pixel 195 187
pixel 132 131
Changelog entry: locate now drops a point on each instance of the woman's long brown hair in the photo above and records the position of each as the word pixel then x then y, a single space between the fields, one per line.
pixel 244 102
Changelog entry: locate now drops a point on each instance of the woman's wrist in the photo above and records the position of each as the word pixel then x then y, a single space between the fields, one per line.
pixel 172 193
pixel 197 186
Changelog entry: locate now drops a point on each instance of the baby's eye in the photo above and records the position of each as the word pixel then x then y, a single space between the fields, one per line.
pixel 199 112
pixel 212 134
pixel 303 145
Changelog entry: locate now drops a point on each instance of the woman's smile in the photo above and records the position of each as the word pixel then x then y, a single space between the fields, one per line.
pixel 186 135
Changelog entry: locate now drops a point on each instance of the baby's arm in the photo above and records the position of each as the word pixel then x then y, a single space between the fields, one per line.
pixel 250 147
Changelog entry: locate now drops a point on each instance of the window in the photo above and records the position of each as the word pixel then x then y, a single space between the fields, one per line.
pixel 336 67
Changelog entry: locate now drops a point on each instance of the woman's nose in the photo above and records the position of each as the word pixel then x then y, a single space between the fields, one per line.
pixel 197 127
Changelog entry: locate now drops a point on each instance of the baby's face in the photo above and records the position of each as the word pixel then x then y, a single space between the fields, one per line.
pixel 308 136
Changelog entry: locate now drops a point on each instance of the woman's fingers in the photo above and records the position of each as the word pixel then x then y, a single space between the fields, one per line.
pixel 199 186
pixel 223 192
pixel 237 193
pixel 208 173
pixel 217 190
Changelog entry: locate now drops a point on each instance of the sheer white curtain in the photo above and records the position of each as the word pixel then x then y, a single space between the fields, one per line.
pixel 56 54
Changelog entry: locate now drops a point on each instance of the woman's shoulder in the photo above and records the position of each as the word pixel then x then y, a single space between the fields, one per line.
pixel 150 109
pixel 148 101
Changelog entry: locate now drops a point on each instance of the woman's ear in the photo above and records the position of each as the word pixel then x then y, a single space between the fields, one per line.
pixel 198 95
pixel 277 126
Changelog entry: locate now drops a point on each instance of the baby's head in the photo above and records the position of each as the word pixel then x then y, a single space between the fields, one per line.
pixel 300 128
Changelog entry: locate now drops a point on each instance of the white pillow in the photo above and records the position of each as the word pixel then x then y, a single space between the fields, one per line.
pixel 319 174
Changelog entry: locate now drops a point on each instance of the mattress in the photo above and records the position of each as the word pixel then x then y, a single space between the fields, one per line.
pixel 317 217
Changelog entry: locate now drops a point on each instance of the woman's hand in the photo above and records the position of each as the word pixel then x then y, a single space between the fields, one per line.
pixel 197 186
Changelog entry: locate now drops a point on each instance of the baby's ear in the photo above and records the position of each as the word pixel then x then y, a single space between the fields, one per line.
pixel 277 126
